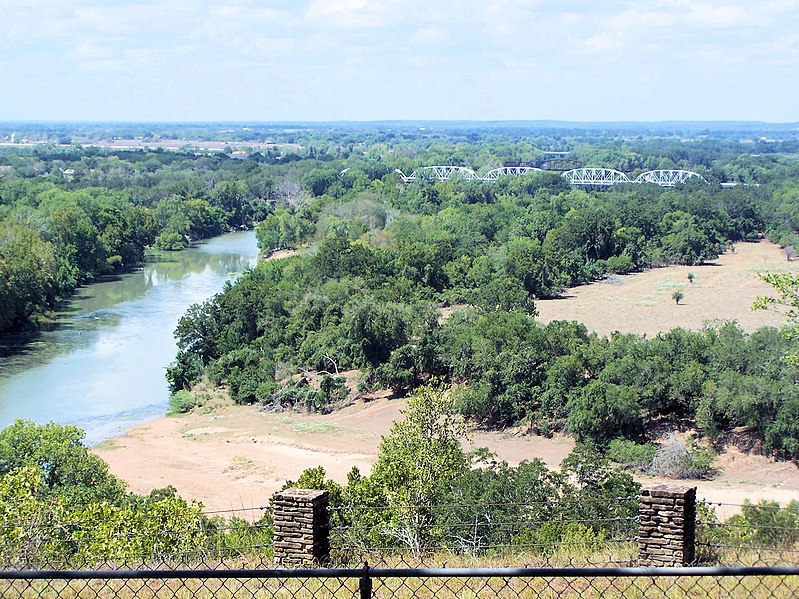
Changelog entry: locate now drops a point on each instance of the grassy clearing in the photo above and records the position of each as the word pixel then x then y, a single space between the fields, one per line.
pixel 320 428
pixel 671 286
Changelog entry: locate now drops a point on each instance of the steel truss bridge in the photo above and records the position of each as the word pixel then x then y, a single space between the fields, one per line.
pixel 577 176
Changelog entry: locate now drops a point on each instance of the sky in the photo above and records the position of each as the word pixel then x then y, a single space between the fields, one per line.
pixel 362 60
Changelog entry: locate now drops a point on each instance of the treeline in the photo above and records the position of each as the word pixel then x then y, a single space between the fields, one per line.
pixel 68 214
pixel 387 257
pixel 71 216
pixel 509 369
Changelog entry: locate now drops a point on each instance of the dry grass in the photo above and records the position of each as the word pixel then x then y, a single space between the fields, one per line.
pixel 641 303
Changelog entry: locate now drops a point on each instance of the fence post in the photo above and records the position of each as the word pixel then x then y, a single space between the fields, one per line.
pixel 301 528
pixel 667 526
pixel 365 583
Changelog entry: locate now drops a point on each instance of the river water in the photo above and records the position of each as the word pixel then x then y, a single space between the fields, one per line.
pixel 101 366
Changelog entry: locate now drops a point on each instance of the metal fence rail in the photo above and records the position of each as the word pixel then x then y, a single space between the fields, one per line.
pixel 366 582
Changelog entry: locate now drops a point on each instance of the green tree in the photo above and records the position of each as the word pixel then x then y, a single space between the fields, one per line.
pixel 603 411
pixel 787 304
pixel 68 469
pixel 419 456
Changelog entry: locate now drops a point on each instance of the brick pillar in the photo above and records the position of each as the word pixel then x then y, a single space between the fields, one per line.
pixel 667 526
pixel 301 528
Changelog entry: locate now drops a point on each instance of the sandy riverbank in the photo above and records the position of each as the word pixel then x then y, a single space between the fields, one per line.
pixel 642 302
pixel 236 457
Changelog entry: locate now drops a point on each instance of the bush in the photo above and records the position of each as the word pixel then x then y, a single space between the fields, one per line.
pixel 766 524
pixel 631 454
pixel 170 241
pixel 298 395
pixel 620 264
pixel 601 410
pixel 569 537
pixel 184 371
pixel 683 459
pixel 333 388
pixel 181 402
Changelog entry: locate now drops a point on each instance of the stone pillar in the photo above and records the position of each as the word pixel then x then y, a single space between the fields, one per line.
pixel 301 528
pixel 667 526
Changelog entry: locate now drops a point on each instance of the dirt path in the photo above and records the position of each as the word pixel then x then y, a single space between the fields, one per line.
pixel 642 303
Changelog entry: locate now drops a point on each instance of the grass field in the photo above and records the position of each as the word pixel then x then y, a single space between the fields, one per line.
pixel 642 302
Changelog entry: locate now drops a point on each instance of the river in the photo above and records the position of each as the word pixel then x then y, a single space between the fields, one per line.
pixel 101 365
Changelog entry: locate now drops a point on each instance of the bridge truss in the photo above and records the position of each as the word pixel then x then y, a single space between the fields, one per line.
pixel 595 176
pixel 441 173
pixel 513 171
pixel 577 176
pixel 667 177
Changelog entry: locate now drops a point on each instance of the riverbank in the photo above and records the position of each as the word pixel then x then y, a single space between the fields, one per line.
pixel 101 365
pixel 236 457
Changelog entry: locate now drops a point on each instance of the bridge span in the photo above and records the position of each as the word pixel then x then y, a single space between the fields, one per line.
pixel 595 176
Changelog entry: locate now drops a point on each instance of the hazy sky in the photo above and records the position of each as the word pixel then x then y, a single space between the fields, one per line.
pixel 249 60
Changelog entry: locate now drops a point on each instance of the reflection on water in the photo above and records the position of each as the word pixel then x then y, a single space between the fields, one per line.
pixel 101 364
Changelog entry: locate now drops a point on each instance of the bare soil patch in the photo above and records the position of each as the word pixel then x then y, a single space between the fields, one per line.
pixel 642 302
pixel 278 254
pixel 235 457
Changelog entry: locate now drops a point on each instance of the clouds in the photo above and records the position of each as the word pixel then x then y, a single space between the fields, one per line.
pixel 368 59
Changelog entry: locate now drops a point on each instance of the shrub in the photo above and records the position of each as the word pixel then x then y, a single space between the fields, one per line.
pixel 181 402
pixel 333 388
pixel 569 537
pixel 766 524
pixel 683 459
pixel 620 264
pixel 636 456
pixel 601 410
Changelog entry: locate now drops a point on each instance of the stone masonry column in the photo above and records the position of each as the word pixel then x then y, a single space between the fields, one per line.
pixel 301 528
pixel 667 526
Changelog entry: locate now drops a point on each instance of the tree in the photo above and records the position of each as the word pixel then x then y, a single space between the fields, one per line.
pixel 787 304
pixel 68 469
pixel 677 296
pixel 27 273
pixel 418 458
pixel 603 411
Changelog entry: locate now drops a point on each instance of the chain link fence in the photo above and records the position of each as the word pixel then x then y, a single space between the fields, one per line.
pixel 536 549
pixel 394 582
pixel 751 535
